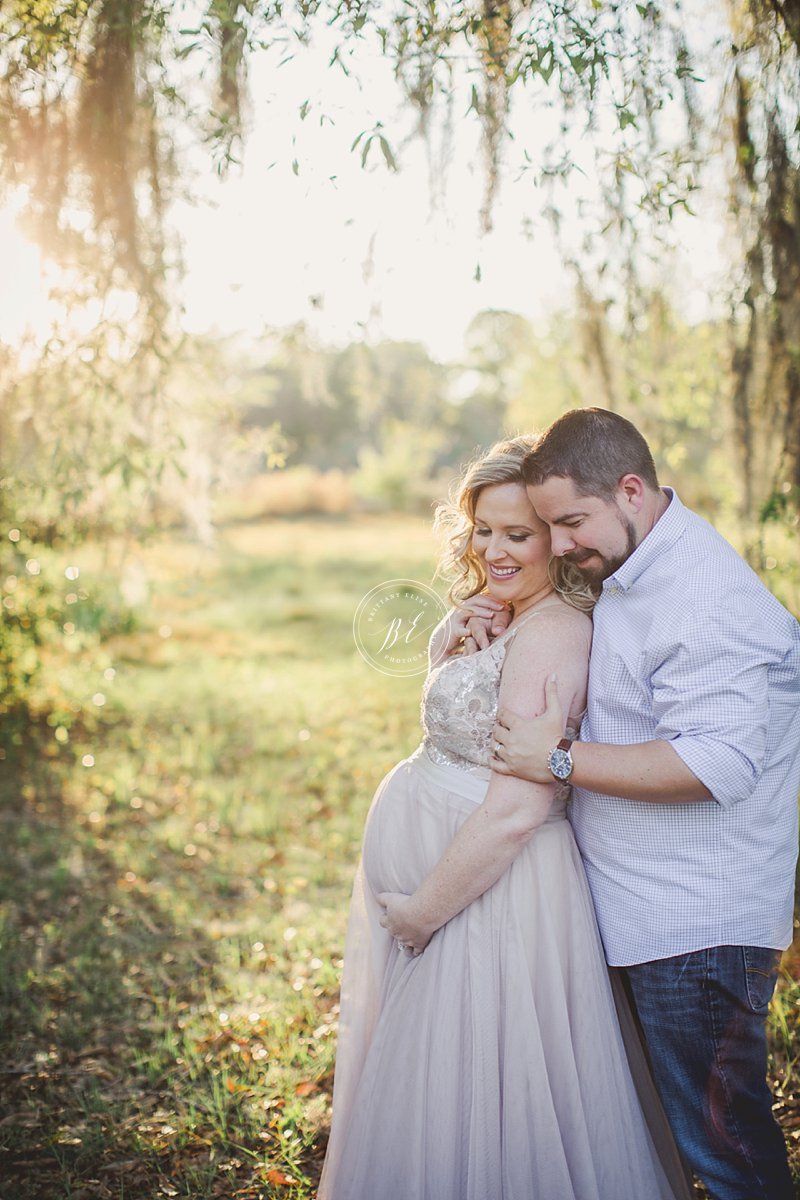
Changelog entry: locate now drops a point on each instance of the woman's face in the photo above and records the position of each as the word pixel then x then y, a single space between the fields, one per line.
pixel 512 543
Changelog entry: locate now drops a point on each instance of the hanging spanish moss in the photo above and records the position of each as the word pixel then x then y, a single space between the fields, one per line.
pixel 228 24
pixel 495 43
pixel 85 103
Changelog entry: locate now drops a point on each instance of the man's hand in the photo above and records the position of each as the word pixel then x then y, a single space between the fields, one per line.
pixel 402 922
pixel 521 744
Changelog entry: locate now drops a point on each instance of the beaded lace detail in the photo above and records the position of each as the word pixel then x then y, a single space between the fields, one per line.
pixel 459 706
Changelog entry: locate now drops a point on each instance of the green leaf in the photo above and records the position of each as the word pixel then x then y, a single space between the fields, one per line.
pixel 546 71
pixel 387 154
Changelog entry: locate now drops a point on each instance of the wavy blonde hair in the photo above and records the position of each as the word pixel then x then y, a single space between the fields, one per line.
pixel 455 519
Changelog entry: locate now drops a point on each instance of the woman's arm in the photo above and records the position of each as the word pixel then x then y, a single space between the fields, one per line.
pixel 492 837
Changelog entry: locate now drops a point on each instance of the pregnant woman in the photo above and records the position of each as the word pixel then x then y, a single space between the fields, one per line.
pixel 480 1051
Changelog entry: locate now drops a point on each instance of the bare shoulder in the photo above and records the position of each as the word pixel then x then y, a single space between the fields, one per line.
pixel 557 620
pixel 556 639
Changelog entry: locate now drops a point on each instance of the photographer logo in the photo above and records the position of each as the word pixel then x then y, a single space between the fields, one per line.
pixel 393 623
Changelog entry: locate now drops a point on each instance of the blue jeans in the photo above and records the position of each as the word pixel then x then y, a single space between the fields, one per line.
pixel 703 1016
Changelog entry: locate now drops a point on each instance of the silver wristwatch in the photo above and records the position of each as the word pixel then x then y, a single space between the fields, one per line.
pixel 560 761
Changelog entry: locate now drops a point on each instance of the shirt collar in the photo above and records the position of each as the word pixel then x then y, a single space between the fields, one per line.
pixel 666 531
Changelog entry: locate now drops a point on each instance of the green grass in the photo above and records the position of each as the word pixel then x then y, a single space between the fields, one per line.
pixel 172 917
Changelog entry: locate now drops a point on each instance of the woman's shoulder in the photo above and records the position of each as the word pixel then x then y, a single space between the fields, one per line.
pixel 555 617
pixel 555 637
pixel 558 631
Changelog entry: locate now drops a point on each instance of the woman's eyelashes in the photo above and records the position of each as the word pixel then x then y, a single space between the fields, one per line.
pixel 512 537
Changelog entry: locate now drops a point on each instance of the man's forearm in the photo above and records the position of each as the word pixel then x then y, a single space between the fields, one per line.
pixel 650 771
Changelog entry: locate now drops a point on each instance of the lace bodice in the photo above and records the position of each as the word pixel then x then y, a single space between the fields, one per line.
pixel 459 708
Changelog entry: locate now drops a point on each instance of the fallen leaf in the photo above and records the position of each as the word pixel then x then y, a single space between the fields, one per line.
pixel 124 1164
pixel 279 1177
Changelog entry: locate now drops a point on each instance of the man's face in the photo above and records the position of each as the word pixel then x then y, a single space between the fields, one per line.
pixel 595 534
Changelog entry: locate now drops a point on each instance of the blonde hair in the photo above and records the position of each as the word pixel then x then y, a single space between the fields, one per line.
pixel 456 520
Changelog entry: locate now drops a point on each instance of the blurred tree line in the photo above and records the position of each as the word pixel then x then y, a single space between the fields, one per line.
pixel 401 424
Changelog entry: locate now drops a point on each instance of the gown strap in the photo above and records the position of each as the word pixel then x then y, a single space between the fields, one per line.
pixel 510 633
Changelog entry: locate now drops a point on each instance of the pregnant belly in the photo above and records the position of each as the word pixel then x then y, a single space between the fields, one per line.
pixel 411 823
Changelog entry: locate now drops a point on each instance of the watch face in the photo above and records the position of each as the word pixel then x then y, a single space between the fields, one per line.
pixel 560 763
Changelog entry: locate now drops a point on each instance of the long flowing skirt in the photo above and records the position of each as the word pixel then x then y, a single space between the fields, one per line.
pixel 492 1066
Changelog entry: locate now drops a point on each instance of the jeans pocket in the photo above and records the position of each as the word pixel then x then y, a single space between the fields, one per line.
pixel 760 973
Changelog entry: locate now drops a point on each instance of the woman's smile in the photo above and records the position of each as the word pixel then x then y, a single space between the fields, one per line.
pixel 502 572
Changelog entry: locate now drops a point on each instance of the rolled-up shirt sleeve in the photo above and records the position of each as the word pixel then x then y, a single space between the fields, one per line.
pixel 710 698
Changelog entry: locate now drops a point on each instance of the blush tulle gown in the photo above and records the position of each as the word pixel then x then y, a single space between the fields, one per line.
pixel 493 1066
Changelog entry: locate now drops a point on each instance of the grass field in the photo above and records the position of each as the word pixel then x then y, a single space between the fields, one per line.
pixel 174 885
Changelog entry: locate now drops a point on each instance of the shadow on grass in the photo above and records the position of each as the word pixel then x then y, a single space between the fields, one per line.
pixel 119 1074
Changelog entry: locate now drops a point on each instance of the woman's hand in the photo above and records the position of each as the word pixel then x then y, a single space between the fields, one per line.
pixel 487 621
pixel 402 922
pixel 469 627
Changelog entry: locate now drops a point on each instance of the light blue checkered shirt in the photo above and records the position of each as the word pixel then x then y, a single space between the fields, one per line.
pixel 690 647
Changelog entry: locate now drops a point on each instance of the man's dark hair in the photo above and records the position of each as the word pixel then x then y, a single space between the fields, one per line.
pixel 594 448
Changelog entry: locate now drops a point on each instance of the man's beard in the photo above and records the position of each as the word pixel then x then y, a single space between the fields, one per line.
pixel 606 566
